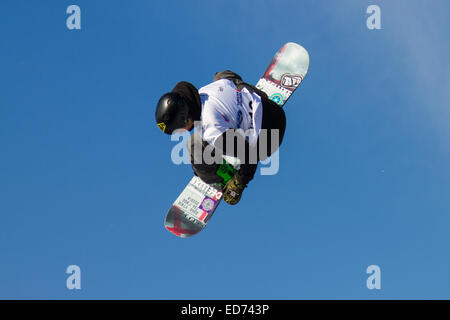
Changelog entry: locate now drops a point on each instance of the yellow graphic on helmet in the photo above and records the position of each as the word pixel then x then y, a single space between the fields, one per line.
pixel 162 126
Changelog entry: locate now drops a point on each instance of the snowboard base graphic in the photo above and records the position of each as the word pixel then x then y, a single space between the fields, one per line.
pixel 195 206
pixel 286 71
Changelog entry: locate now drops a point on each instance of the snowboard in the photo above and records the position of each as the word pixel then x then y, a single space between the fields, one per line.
pixel 194 207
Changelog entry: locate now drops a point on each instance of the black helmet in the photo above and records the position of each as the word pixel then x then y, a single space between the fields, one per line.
pixel 171 112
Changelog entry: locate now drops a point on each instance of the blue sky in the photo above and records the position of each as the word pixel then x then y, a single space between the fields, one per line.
pixel 86 176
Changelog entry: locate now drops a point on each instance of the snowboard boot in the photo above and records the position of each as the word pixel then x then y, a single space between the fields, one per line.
pixel 233 191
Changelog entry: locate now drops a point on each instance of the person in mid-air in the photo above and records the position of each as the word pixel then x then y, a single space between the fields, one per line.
pixel 227 107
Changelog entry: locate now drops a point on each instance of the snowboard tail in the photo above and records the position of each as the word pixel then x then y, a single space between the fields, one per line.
pixel 285 72
pixel 194 207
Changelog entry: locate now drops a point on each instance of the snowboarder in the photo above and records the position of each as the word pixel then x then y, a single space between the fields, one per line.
pixel 226 108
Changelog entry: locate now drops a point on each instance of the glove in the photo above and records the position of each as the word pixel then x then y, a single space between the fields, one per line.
pixel 233 191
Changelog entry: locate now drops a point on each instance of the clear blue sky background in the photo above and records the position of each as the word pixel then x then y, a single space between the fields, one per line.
pixel 86 177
